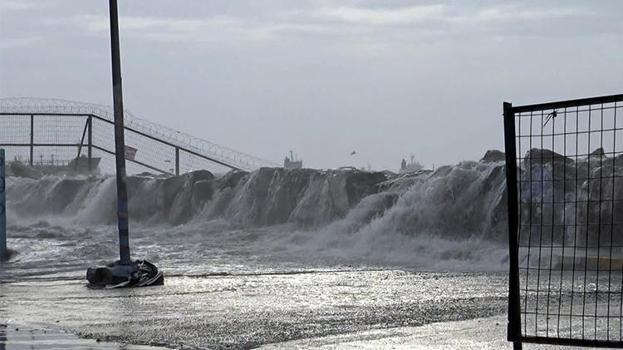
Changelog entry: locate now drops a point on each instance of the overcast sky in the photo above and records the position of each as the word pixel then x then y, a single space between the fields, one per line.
pixel 323 78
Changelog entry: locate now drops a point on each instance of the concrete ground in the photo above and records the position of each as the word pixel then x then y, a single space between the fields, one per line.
pixel 478 334
pixel 16 337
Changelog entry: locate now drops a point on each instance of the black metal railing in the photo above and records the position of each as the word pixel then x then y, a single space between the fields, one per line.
pixel 52 125
pixel 565 213
pixel 57 138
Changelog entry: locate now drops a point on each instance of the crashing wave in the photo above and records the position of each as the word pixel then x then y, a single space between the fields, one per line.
pixel 458 201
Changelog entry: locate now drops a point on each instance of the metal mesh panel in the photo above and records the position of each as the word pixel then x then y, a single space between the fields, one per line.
pixel 15 129
pixel 569 217
pixel 60 133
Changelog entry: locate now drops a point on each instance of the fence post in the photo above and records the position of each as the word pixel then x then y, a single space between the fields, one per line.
pixel 90 142
pixel 3 251
pixel 32 138
pixel 177 161
pixel 514 311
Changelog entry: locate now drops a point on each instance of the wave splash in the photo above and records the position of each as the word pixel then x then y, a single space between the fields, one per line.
pixel 437 219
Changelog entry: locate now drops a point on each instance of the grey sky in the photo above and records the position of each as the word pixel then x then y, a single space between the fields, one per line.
pixel 324 78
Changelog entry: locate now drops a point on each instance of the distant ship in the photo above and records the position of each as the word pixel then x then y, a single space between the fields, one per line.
pixel 410 167
pixel 78 165
pixel 292 163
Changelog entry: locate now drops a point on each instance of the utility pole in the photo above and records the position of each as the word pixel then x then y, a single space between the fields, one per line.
pixel 124 273
pixel 122 194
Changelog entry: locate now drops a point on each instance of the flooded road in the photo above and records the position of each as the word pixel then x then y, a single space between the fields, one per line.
pixel 251 309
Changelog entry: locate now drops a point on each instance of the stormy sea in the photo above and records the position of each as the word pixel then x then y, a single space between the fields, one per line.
pixel 275 258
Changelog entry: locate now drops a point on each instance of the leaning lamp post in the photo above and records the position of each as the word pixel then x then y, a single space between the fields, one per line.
pixel 124 272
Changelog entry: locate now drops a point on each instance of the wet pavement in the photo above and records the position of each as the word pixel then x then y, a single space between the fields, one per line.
pixel 251 309
pixel 18 337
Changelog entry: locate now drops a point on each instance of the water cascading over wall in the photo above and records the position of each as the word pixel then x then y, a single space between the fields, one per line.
pixel 461 201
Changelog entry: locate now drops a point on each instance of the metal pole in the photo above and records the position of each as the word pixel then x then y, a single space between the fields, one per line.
pixel 514 307
pixel 84 133
pixel 177 161
pixel 32 138
pixel 3 251
pixel 122 194
pixel 90 143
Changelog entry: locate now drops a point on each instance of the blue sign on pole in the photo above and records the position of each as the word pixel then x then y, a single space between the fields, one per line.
pixel 3 251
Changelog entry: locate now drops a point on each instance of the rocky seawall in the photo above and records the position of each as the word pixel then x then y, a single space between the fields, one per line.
pixel 457 201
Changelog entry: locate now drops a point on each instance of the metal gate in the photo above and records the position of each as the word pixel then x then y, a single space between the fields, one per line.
pixel 564 165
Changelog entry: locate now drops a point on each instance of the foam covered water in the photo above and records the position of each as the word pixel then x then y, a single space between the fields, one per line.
pixel 450 219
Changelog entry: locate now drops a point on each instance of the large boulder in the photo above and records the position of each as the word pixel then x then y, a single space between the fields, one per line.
pixel 492 156
pixel 537 156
